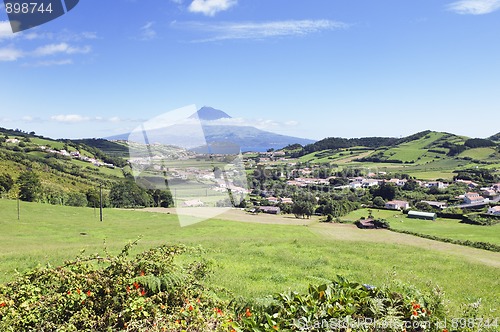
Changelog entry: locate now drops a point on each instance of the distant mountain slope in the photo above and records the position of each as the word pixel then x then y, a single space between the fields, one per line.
pixel 495 137
pixel 209 114
pixel 426 147
pixel 218 135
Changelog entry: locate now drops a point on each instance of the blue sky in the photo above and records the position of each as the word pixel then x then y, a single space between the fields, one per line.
pixel 314 68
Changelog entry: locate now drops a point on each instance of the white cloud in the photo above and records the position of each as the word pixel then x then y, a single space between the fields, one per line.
pixel 474 7
pixel 65 48
pixel 69 118
pixel 10 54
pixel 77 118
pixel 147 31
pixel 6 31
pixel 264 124
pixel 261 30
pixel 210 7
pixel 50 63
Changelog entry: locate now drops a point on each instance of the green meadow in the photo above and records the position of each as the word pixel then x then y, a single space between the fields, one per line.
pixel 441 227
pixel 250 260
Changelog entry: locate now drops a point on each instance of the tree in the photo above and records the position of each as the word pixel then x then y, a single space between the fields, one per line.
pixel 6 182
pixel 423 206
pixel 304 205
pixel 129 194
pixel 378 201
pixel 29 186
pixel 386 190
pixel 76 199
pixel 161 198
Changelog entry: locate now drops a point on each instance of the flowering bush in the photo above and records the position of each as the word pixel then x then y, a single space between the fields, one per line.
pixel 150 292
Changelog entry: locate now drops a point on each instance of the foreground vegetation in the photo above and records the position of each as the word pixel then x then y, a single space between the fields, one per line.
pixel 251 260
pixel 154 292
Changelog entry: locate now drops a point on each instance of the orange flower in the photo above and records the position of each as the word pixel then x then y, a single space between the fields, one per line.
pixel 89 293
pixel 128 289
pixel 190 308
pixel 78 291
pixel 142 273
pixel 275 327
pixel 415 313
pixel 69 292
pixel 136 285
pixel 143 292
pixel 3 304
pixel 416 306
pixel 248 313
pixel 445 330
pixel 162 306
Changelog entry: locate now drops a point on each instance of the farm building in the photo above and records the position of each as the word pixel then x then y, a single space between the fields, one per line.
pixel 270 209
pixel 397 205
pixel 495 210
pixel 192 203
pixel 422 215
pixel 439 205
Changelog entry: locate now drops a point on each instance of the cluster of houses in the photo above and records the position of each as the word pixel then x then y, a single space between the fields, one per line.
pixel 77 155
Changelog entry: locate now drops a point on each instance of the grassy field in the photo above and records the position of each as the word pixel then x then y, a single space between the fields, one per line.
pixel 479 153
pixel 447 228
pixel 251 259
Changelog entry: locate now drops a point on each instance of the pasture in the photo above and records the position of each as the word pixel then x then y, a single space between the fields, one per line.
pixel 251 259
pixel 441 227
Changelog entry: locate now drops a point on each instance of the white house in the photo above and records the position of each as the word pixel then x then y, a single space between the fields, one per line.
pixel 471 198
pixel 192 203
pixel 397 205
pixel 494 210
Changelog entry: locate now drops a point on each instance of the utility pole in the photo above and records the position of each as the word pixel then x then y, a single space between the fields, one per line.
pixel 100 201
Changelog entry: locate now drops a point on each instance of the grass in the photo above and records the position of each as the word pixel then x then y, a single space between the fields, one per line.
pixel 446 228
pixel 251 260
pixel 479 153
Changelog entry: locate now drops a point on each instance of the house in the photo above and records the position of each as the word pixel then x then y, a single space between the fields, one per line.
pixel 397 182
pixel 366 223
pixel 397 205
pixel 270 209
pixel 438 205
pixel 489 192
pixel 12 140
pixel 494 210
pixel 193 203
pixel 437 184
pixel 286 200
pixel 422 215
pixel 367 183
pixel 469 183
pixel 370 223
pixel 472 198
pixel 273 200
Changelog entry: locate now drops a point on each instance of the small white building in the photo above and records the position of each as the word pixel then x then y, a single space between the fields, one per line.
pixel 397 205
pixel 494 210
pixel 192 203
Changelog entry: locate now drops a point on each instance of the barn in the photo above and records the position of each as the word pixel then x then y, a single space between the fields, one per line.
pixel 422 215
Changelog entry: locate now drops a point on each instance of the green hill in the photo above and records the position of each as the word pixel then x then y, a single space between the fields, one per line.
pixel 65 167
pixel 427 155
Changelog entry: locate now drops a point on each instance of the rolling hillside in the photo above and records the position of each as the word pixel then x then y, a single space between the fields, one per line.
pixel 63 166
pixel 426 155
